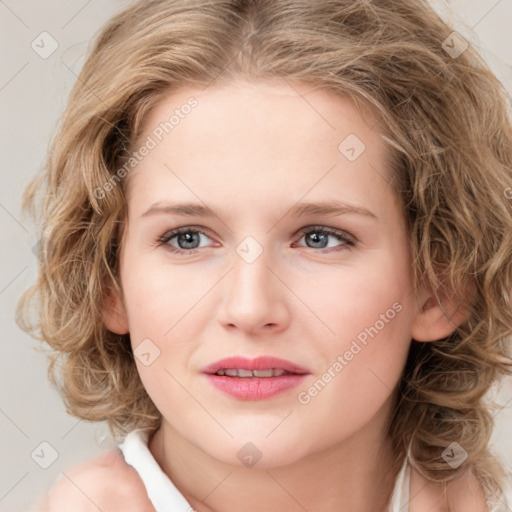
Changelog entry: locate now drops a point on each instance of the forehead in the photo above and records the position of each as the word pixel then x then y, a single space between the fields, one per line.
pixel 285 111
pixel 258 140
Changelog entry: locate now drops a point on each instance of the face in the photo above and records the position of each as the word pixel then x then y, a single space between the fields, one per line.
pixel 328 290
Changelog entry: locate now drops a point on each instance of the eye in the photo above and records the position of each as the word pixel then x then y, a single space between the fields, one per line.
pixel 317 237
pixel 186 238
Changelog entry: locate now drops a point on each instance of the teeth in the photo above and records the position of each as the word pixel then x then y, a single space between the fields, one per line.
pixel 243 373
pixel 263 373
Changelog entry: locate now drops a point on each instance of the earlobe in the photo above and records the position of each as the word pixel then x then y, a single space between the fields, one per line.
pixel 435 319
pixel 114 313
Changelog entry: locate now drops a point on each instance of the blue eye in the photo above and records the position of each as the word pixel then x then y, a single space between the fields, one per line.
pixel 185 236
pixel 188 239
pixel 319 236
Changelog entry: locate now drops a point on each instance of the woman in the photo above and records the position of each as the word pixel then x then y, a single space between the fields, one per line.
pixel 278 260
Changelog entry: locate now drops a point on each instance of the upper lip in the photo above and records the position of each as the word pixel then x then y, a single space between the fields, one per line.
pixel 259 363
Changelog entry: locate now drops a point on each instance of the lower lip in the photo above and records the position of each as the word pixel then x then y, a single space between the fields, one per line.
pixel 254 388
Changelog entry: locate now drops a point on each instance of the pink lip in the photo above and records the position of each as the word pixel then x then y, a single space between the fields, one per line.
pixel 254 388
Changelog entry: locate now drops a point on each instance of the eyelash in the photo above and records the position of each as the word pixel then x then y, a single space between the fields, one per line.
pixel 348 240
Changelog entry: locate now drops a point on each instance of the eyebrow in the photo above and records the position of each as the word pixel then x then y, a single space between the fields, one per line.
pixel 333 208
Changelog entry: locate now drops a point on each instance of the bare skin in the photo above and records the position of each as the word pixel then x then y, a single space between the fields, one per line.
pixel 125 491
pixel 251 152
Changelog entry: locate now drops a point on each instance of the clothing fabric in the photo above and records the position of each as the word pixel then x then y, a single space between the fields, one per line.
pixel 165 497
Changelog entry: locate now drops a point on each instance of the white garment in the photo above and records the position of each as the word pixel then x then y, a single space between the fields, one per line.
pixel 165 497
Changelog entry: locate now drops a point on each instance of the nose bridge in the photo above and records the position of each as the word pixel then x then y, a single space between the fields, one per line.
pixel 253 299
pixel 251 276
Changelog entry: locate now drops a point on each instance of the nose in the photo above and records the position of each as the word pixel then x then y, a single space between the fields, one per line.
pixel 255 297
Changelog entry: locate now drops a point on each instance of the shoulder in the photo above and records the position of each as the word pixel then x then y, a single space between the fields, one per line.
pixel 104 483
pixel 465 494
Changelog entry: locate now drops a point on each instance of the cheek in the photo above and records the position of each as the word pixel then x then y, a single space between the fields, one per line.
pixel 158 297
pixel 367 294
pixel 369 312
pixel 163 306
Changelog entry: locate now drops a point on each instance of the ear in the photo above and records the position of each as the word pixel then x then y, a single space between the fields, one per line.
pixel 437 319
pixel 114 313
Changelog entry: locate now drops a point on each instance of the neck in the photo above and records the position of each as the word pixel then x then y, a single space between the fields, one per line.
pixel 356 474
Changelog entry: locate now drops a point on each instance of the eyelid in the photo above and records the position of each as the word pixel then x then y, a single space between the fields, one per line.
pixel 345 235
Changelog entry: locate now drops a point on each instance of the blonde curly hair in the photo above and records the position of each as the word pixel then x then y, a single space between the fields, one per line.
pixel 444 117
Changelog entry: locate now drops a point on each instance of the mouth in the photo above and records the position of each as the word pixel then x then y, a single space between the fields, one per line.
pixel 247 374
pixel 261 367
pixel 254 379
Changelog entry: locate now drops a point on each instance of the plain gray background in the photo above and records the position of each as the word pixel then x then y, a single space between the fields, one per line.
pixel 33 89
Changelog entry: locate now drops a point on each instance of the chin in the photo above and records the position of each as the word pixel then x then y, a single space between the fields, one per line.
pixel 257 451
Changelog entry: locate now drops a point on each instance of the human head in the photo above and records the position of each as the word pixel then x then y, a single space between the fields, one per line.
pixel 445 123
